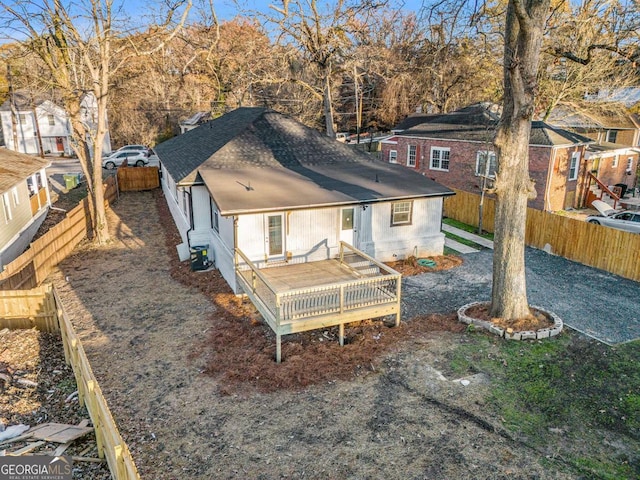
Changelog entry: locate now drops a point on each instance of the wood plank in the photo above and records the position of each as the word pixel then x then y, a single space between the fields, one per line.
pixel 59 432
pixel 27 449
pixel 61 449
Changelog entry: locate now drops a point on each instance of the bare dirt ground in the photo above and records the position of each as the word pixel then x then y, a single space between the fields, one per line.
pixel 189 375
pixel 36 386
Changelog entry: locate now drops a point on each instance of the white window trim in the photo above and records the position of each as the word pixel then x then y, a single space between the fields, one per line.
pixel 490 154
pixel 215 217
pixel 441 149
pixel 6 206
pixel 393 156
pixel 395 223
pixel 412 162
pixel 575 157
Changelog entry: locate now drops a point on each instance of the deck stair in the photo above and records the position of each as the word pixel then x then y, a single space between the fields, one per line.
pixel 360 266
pixel 601 195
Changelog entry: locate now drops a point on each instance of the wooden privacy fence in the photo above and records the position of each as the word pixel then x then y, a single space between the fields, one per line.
pixel 41 308
pixel 34 265
pixel 138 178
pixel 28 309
pixel 601 247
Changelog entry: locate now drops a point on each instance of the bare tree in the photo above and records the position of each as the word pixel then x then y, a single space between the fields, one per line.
pixel 588 47
pixel 524 30
pixel 323 39
pixel 78 43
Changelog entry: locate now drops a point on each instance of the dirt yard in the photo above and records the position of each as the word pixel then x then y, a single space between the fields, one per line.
pixel 189 375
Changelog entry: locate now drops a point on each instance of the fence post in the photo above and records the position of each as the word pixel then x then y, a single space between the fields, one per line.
pixel 97 422
pixel 75 363
pixel 121 473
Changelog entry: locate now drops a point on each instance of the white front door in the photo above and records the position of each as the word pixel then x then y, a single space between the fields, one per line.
pixel 274 240
pixel 348 225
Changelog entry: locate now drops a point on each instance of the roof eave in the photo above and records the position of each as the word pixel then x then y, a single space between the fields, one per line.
pixel 227 213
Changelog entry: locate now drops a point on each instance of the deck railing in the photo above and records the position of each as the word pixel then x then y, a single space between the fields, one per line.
pixel 296 310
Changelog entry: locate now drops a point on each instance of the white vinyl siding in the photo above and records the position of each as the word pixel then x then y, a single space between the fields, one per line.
pixel 439 159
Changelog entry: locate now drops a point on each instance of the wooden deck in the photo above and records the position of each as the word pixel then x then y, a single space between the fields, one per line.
pixel 311 274
pixel 308 296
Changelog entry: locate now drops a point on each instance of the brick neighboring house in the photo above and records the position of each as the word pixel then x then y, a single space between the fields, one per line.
pixel 455 149
pixel 614 156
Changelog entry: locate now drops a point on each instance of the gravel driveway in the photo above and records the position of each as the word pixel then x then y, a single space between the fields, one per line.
pixel 591 301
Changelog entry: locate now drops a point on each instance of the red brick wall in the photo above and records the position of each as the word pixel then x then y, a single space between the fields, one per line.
pixel 610 175
pixel 462 163
pixel 559 194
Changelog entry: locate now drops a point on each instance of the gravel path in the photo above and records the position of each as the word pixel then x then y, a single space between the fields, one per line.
pixel 591 301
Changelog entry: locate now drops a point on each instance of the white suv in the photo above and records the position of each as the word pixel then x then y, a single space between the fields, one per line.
pixel 137 158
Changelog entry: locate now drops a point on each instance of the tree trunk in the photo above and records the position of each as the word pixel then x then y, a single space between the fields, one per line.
pixel 327 104
pixel 513 186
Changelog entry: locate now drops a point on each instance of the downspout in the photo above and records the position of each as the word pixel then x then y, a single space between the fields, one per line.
pixel 190 217
pixel 549 178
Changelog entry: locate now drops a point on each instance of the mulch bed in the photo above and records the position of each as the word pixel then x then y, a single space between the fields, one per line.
pixel 410 266
pixel 240 348
pixel 536 321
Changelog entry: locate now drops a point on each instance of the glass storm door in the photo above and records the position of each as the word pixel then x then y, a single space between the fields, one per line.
pixel 347 224
pixel 275 235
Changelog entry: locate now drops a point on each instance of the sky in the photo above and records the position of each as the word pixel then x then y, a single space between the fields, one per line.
pixel 228 9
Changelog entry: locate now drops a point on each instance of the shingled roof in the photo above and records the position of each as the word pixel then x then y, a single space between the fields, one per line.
pixel 16 167
pixel 255 159
pixel 478 123
pixel 594 116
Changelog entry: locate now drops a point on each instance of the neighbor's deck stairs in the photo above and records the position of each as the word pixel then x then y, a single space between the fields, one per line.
pixel 604 196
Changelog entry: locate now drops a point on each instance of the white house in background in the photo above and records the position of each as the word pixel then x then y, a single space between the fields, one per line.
pixel 262 190
pixel 194 121
pixel 24 201
pixel 40 114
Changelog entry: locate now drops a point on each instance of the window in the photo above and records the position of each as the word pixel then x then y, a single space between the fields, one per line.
pixel 393 156
pixel 486 164
pixel 629 164
pixel 16 197
pixel 276 243
pixel 612 136
pixel 215 219
pixel 22 118
pixel 52 119
pixel 614 164
pixel 401 213
pixel 347 219
pixel 573 166
pixel 439 158
pixel 185 203
pixel 6 207
pixel 411 156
